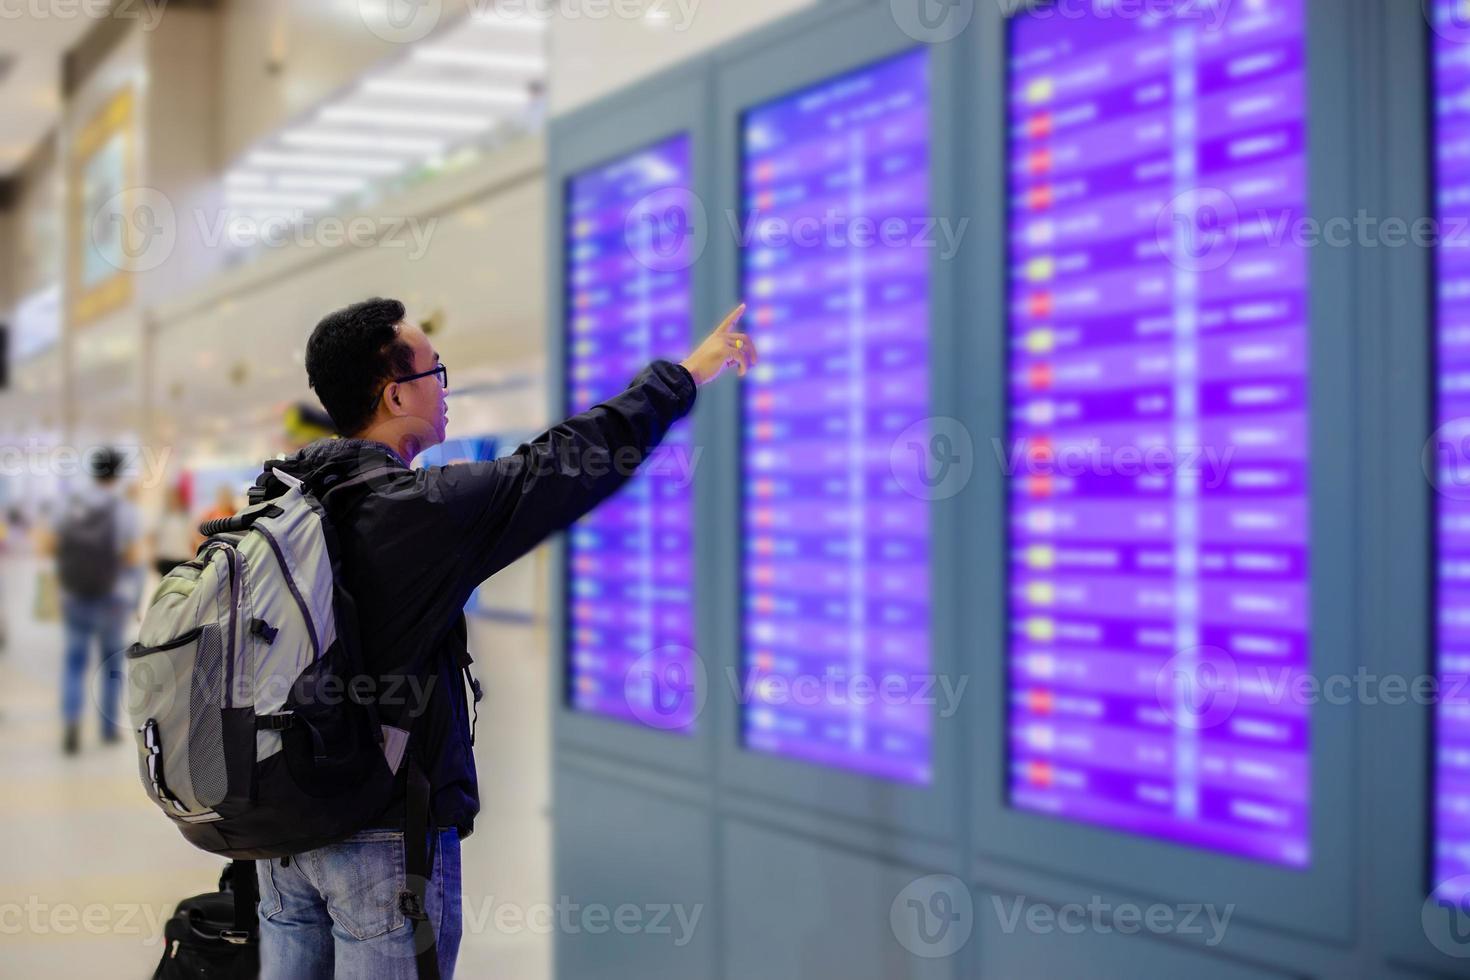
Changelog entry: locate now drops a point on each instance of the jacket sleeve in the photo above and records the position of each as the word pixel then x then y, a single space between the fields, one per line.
pixel 493 513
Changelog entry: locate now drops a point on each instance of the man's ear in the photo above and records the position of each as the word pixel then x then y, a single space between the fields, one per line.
pixel 391 398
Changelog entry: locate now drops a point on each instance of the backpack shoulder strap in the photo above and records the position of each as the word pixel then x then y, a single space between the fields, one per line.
pixel 419 839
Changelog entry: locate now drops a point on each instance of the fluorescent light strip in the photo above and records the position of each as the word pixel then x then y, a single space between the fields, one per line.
pixel 272 199
pixel 445 92
pixel 527 22
pixel 398 117
pixel 240 179
pixel 468 58
pixel 325 140
pixel 266 160
pixel 307 182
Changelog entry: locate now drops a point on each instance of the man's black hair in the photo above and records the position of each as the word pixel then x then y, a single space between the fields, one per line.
pixel 106 464
pixel 351 355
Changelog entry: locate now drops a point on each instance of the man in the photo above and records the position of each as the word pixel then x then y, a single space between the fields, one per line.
pixel 411 551
pixel 97 550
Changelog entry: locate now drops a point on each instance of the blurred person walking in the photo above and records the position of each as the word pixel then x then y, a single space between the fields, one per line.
pixel 176 537
pixel 96 548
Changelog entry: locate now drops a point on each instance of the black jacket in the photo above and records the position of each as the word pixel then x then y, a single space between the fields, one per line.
pixel 413 545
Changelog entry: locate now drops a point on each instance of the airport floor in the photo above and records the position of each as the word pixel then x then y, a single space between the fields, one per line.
pixel 89 870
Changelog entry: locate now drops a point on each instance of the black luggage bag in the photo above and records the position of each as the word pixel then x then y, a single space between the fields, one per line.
pixel 215 936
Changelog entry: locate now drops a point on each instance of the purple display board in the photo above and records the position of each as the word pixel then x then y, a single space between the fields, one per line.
pixel 630 579
pixel 836 655
pixel 1158 452
pixel 1451 866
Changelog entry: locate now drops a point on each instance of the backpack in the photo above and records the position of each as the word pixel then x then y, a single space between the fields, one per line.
pixel 245 690
pixel 88 559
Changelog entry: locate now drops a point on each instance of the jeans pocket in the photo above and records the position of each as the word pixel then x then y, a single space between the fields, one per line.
pixel 362 879
pixel 270 897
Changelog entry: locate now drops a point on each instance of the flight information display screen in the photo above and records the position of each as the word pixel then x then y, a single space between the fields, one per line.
pixel 836 656
pixel 630 577
pixel 1157 460
pixel 1451 60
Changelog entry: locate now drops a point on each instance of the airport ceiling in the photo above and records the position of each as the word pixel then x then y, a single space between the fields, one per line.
pixel 33 40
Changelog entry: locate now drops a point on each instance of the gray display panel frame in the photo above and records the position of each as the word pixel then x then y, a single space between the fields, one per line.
pixel 670 104
pixel 747 80
pixel 1317 901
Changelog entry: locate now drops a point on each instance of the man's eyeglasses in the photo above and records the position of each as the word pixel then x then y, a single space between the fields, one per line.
pixel 439 369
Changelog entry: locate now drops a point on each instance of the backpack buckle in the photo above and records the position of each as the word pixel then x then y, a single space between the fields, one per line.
pixel 236 936
pixel 412 906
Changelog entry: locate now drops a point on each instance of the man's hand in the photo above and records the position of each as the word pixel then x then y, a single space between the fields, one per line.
pixel 721 349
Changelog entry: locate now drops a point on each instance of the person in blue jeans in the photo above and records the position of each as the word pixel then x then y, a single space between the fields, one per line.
pixel 333 911
pixel 97 551
pixel 411 550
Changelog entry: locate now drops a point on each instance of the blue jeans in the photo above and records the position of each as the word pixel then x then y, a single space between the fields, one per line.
pixel 86 619
pixel 333 912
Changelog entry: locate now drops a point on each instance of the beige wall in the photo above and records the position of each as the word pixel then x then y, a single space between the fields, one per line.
pixel 279 58
pixel 36 224
pixel 595 56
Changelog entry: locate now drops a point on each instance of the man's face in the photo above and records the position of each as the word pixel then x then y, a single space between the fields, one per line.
pixel 422 398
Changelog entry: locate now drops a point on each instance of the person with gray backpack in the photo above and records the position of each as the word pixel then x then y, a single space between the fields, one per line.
pixel 300 689
pixel 96 542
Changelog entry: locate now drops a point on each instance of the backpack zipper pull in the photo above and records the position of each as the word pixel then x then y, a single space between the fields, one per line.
pixel 173 954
